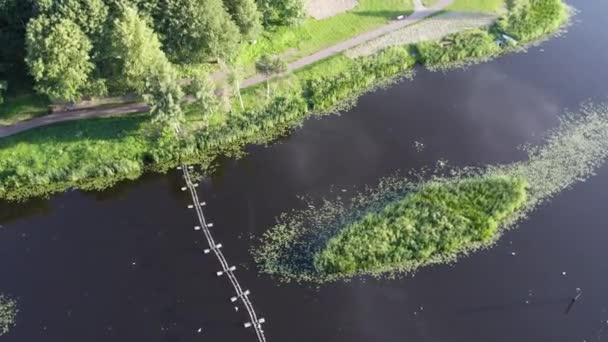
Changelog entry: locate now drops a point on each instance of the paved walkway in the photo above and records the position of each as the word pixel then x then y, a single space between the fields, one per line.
pixel 420 12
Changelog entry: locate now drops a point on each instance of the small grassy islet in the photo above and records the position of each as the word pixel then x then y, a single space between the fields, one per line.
pixel 410 222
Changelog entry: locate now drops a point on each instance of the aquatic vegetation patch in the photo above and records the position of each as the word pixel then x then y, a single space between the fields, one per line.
pixel 8 314
pixel 439 218
pixel 339 238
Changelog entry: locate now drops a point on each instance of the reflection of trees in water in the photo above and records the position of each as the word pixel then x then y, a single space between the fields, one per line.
pixel 12 211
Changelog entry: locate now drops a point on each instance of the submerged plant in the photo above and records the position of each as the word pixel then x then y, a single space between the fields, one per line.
pixel 406 223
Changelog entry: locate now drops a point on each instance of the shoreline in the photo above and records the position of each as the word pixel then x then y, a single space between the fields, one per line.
pixel 144 151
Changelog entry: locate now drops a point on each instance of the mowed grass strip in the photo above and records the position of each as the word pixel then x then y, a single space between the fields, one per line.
pixel 492 6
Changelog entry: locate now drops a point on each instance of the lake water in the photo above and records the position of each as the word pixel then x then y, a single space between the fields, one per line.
pixel 125 265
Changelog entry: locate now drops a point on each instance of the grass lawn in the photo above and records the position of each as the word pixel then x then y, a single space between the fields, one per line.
pixel 314 35
pixel 478 5
pixel 429 3
pixel 22 107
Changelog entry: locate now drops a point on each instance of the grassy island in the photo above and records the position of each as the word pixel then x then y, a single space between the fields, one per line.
pixel 439 219
pixel 97 153
pixel 409 222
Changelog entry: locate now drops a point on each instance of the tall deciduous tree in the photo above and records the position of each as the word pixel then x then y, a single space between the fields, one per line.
pixel 89 15
pixel 163 94
pixel 246 15
pixel 235 74
pixel 203 90
pixel 135 51
pixel 269 66
pixel 198 30
pixel 282 12
pixel 58 58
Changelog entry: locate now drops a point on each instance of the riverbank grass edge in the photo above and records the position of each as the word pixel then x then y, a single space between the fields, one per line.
pixel 95 154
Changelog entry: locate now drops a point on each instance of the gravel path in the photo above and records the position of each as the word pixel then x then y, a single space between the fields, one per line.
pixel 419 13
pixel 433 28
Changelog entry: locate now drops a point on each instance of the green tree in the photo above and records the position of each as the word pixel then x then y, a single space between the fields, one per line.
pixel 89 15
pixel 144 7
pixel 163 94
pixel 58 58
pixel 203 90
pixel 246 16
pixel 270 66
pixel 8 313
pixel 135 51
pixel 235 75
pixel 195 31
pixel 282 12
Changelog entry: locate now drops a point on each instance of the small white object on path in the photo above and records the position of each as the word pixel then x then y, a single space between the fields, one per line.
pixel 200 330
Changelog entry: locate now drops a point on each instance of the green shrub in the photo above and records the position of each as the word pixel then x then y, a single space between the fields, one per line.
pixel 439 219
pixel 531 19
pixel 467 45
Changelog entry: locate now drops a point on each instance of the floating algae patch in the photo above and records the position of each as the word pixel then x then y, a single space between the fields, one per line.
pixel 408 222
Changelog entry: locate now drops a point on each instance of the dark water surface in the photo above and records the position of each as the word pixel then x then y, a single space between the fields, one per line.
pixel 125 265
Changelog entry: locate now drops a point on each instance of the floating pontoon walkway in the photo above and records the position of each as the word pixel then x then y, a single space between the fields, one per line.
pixel 214 247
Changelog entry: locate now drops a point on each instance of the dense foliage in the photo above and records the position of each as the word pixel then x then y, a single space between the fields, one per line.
pixel 198 30
pixel 282 12
pixel 58 58
pixel 134 52
pixel 439 219
pixel 72 37
pixel 472 44
pixel 530 19
pixel 246 16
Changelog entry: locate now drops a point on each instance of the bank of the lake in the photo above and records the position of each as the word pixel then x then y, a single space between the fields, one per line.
pixel 95 154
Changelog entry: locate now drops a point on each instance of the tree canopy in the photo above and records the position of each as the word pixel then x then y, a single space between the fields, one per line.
pixel 135 51
pixel 164 94
pixel 282 12
pixel 58 58
pixel 89 15
pixel 73 48
pixel 197 31
pixel 246 16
